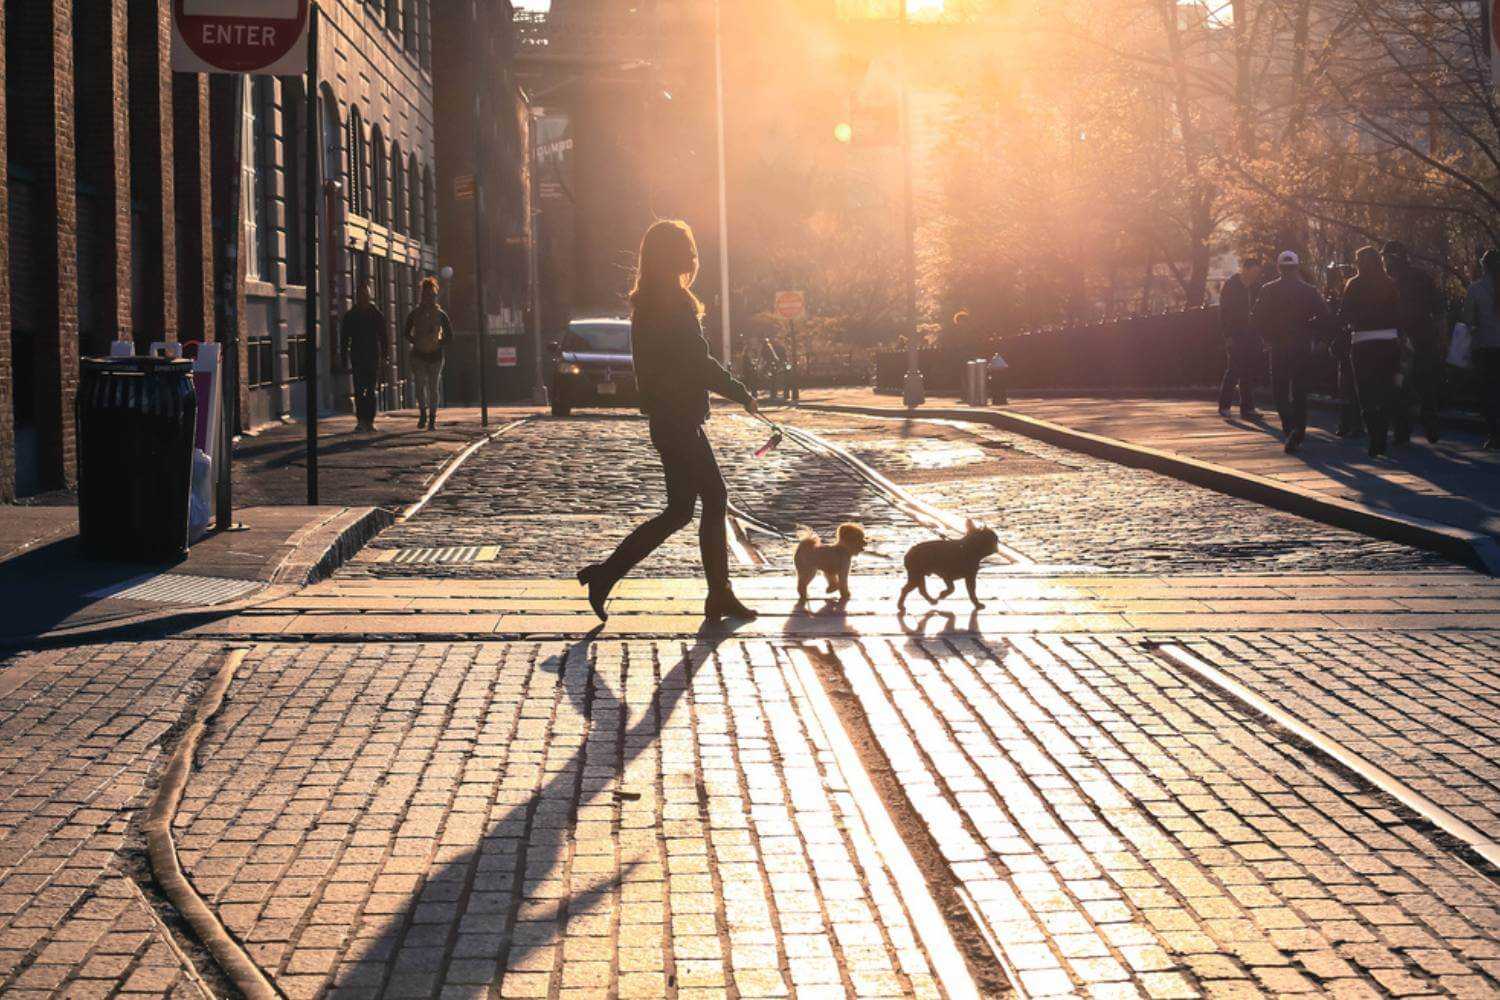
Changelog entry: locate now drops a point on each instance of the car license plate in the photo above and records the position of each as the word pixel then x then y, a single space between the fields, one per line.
pixel 606 388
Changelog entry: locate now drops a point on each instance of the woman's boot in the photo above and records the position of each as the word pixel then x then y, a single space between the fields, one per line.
pixel 723 604
pixel 597 579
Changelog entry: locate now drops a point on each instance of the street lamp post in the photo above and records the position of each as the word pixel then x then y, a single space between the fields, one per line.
pixel 914 391
pixel 533 269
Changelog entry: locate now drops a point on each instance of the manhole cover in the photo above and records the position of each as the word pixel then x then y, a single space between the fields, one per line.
pixel 178 588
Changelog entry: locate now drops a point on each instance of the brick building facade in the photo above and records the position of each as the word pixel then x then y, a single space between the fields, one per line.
pixel 144 205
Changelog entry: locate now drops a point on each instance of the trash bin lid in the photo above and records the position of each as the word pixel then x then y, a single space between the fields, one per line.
pixel 136 364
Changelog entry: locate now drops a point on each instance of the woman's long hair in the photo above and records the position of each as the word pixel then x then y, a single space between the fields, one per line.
pixel 660 280
pixel 1490 264
pixel 1368 265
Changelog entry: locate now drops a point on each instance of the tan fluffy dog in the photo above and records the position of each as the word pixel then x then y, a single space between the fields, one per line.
pixel 813 557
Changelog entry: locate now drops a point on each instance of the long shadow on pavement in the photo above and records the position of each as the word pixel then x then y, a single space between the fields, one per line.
pixel 537 858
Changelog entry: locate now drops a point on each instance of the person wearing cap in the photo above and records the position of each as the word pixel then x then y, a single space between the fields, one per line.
pixel 1369 308
pixel 1420 323
pixel 1241 348
pixel 1288 315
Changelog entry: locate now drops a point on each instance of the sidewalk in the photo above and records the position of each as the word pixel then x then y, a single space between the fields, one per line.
pixel 1449 491
pixel 47 584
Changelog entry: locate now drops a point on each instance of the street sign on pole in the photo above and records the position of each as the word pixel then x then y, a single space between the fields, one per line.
pixel 791 305
pixel 262 37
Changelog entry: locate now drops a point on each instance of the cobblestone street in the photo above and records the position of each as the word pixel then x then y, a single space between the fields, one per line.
pixel 550 494
pixel 431 776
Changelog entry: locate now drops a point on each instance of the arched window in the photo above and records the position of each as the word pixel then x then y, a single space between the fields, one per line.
pixel 414 198
pixel 380 195
pixel 333 141
pixel 398 190
pixel 354 156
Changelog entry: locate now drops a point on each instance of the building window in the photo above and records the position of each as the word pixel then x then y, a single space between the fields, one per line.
pixel 414 197
pixel 260 361
pixel 409 26
pixel 424 32
pixel 294 159
pixel 380 195
pixel 296 355
pixel 252 177
pixel 393 15
pixel 354 154
pixel 399 221
pixel 429 217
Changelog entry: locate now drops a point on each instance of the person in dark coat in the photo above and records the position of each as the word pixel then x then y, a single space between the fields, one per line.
pixel 1482 312
pixel 1421 326
pixel 362 345
pixel 674 373
pixel 1288 315
pixel 1370 307
pixel 1241 347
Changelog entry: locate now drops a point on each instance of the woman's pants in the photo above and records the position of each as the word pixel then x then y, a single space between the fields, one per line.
pixel 1487 368
pixel 692 474
pixel 1376 363
pixel 428 373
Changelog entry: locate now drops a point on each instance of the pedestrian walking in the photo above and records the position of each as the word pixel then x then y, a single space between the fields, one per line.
pixel 1480 312
pixel 1421 328
pixel 1242 348
pixel 675 373
pixel 774 367
pixel 1288 315
pixel 428 332
pixel 1371 307
pixel 362 347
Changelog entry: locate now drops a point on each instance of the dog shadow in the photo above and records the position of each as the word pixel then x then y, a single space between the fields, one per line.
pixel 916 626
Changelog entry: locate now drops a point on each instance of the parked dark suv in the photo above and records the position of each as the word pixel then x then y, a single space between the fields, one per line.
pixel 592 366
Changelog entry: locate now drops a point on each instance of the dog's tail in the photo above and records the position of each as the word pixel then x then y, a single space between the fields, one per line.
pixel 807 538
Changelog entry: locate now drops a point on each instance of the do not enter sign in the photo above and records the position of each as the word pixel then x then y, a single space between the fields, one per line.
pixel 791 305
pixel 263 37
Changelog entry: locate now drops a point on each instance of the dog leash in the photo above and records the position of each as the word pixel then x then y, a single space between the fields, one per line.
pixel 922 516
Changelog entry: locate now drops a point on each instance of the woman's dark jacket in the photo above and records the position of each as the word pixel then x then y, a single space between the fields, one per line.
pixel 1370 304
pixel 673 369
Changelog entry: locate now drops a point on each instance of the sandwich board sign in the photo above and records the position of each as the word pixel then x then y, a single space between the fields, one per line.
pixel 260 37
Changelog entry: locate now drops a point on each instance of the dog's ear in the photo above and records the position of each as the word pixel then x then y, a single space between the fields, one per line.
pixel 970 526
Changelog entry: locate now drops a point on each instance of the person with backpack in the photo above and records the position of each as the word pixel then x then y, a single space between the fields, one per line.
pixel 428 332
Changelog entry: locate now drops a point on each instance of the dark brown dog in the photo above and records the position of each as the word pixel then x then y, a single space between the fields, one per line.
pixel 950 558
pixel 813 557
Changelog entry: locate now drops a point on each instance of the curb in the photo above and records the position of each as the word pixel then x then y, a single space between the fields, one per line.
pixel 317 551
pixel 1471 548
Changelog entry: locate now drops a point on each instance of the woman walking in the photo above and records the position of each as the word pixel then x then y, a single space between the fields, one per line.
pixel 675 373
pixel 1480 312
pixel 1371 307
pixel 428 332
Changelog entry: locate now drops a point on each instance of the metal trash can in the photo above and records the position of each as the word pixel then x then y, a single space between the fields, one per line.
pixel 137 418
pixel 976 384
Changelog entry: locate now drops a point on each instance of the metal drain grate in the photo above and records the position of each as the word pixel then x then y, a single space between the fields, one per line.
pixel 178 588
pixel 449 555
